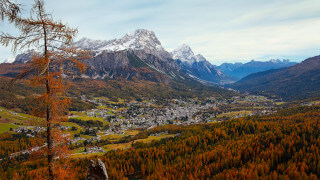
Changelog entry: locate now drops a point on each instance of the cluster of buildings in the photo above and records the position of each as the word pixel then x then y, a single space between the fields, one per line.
pixel 144 115
pixel 30 131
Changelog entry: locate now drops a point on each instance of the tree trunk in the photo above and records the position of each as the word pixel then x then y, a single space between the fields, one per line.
pixel 49 140
pixel 48 108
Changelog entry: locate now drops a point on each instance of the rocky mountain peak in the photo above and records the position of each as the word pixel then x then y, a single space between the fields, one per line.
pixel 185 54
pixel 140 39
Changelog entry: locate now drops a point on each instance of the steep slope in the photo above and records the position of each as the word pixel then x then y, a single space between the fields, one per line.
pixel 126 64
pixel 198 67
pixel 292 83
pixel 240 70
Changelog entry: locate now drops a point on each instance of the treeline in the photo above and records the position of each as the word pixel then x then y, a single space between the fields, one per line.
pixel 280 146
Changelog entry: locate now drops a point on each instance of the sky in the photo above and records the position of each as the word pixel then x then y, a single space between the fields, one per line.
pixel 222 31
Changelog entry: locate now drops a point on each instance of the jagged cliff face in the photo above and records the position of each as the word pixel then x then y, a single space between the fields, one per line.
pixel 127 64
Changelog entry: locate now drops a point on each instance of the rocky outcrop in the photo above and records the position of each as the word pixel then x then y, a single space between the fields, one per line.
pixel 97 170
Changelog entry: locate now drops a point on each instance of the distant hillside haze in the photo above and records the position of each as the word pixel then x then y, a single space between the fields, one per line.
pixel 297 82
pixel 240 70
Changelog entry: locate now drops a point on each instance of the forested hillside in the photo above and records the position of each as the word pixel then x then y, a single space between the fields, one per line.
pixel 297 82
pixel 284 145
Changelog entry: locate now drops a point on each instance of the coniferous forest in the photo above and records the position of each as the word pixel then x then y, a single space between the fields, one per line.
pixel 280 146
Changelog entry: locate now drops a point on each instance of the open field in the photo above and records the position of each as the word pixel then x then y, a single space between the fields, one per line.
pixel 233 114
pixel 5 127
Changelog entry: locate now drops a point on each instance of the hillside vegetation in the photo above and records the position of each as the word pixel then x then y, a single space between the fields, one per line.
pixel 297 82
pixel 284 145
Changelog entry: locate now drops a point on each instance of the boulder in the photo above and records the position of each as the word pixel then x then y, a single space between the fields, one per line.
pixel 97 170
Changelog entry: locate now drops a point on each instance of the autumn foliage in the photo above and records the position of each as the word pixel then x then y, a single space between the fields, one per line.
pixel 280 146
pixel 46 69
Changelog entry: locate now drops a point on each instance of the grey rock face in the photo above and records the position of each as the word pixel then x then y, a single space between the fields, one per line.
pixel 128 64
pixel 97 171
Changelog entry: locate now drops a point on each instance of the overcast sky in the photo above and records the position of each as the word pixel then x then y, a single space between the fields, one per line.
pixel 220 30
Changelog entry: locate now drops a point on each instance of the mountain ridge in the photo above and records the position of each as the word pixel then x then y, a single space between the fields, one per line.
pixel 291 83
pixel 240 70
pixel 119 57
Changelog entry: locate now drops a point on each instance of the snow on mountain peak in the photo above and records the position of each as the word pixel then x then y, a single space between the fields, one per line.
pixel 86 43
pixel 140 39
pixel 185 54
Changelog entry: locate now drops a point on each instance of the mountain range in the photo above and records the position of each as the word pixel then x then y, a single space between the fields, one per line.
pixel 140 55
pixel 297 82
pixel 241 70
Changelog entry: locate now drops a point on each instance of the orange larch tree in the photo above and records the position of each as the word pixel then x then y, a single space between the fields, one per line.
pixel 47 68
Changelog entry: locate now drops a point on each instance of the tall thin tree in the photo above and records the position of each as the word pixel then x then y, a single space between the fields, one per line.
pixel 48 67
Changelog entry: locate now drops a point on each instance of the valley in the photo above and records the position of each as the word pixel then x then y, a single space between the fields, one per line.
pixel 136 97
pixel 201 95
pixel 113 122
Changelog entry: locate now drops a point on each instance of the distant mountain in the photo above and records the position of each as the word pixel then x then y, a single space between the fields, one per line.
pixel 197 66
pixel 186 55
pixel 240 70
pixel 291 83
pixel 140 55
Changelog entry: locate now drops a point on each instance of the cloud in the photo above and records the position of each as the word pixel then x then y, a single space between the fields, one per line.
pixel 291 39
pixel 220 30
